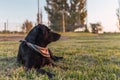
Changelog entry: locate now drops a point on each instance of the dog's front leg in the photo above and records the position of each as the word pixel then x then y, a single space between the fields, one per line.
pixel 28 64
pixel 55 58
pixel 59 66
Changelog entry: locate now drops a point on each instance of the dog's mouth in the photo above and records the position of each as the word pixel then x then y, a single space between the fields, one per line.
pixel 55 37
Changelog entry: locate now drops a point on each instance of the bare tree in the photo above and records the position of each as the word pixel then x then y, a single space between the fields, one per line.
pixel 66 15
pixel 96 27
pixel 27 26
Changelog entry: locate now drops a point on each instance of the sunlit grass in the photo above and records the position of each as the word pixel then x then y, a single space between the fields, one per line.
pixel 87 56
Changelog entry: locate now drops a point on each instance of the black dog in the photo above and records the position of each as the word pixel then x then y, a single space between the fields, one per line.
pixel 33 51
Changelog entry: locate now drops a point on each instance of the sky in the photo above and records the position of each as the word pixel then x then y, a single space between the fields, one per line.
pixel 17 11
pixel 103 11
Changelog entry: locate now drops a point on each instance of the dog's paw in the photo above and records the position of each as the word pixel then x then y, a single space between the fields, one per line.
pixel 56 58
pixel 50 75
pixel 43 72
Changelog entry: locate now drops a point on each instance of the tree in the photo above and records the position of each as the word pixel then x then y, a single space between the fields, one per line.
pixel 27 26
pixel 64 16
pixel 96 27
pixel 78 12
pixel 52 10
pixel 55 9
pixel 118 14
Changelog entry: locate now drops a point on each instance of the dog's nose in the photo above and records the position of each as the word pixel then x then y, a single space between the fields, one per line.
pixel 56 36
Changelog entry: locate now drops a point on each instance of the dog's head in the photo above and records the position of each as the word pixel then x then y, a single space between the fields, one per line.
pixel 41 35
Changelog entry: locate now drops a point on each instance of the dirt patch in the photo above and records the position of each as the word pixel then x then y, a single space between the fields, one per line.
pixel 11 38
pixel 64 38
pixel 20 37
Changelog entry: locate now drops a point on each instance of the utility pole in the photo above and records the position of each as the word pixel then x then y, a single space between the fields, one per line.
pixel 38 15
pixel 5 24
pixel 41 16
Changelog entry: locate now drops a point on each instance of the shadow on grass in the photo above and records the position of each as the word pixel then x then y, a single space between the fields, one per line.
pixel 8 59
pixel 8 62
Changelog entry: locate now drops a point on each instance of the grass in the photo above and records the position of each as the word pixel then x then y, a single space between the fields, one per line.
pixel 87 56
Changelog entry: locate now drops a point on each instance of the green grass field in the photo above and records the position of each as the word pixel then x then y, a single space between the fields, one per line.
pixel 87 56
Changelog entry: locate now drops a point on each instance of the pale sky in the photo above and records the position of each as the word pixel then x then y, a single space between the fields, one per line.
pixel 103 11
pixel 17 11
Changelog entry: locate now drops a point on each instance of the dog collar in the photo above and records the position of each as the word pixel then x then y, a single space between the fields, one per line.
pixel 43 51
